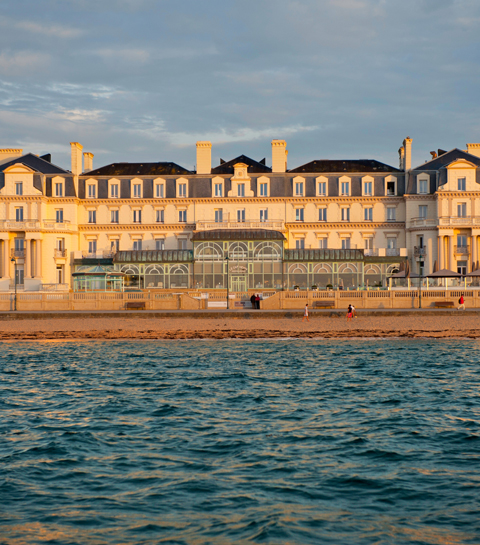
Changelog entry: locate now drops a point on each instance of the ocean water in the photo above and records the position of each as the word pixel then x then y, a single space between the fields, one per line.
pixel 220 442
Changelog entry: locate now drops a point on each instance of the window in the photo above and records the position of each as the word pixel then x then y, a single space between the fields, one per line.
pixel 345 214
pixel 115 245
pixel 391 243
pixel 241 215
pixel 159 191
pixel 264 214
pixel 368 214
pixel 263 190
pixel 59 215
pixel 160 244
pixel 299 189
pixel 423 186
pixel 322 214
pixel 322 188
pixel 218 190
pixel 182 190
pixel 92 246
pixel 137 216
pixel 368 189
pixel 368 242
pixel 462 184
pixel 218 215
pixel 462 267
pixel 346 243
pixel 59 190
pixel 92 191
pixel 299 214
pixel 182 216
pixel 300 244
pixel 114 191
pixel 19 188
pixel 114 216
pixel 462 241
pixel 391 189
pixel 420 241
pixel 391 214
pixel 182 244
pixel 345 188
pixel 422 211
pixel 241 190
pixel 137 190
pixel 323 243
pixel 462 209
pixel 137 245
pixel 19 213
pixel 160 216
pixel 92 216
pixel 60 244
pixel 19 244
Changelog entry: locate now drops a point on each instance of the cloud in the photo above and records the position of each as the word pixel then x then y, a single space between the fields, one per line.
pixel 18 63
pixel 56 31
pixel 124 55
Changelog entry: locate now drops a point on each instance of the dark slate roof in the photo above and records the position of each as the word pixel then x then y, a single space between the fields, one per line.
pixel 138 169
pixel 35 163
pixel 447 158
pixel 323 255
pixel 348 165
pixel 238 234
pixel 154 256
pixel 253 166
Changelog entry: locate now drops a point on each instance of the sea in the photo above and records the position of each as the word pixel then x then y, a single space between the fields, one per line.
pixel 371 441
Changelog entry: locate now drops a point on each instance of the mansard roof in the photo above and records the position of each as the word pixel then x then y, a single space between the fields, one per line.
pixel 238 234
pixel 35 163
pixel 253 166
pixel 347 165
pixel 138 169
pixel 447 158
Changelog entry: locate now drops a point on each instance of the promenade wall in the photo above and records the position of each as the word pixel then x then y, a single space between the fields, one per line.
pixel 196 300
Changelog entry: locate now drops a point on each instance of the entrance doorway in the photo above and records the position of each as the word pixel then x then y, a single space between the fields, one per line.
pixel 60 275
pixel 19 276
pixel 238 283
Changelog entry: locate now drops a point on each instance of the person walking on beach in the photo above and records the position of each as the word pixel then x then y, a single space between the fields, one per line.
pixel 354 311
pixel 349 312
pixel 252 300
pixel 462 303
pixel 305 314
pixel 257 301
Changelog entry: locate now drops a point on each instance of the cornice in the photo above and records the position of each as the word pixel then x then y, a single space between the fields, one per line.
pixel 430 197
pixel 344 225
pixel 138 227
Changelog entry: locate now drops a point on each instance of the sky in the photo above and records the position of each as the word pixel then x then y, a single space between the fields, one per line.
pixel 143 80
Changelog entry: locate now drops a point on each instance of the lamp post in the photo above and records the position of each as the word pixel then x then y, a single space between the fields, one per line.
pixel 13 260
pixel 228 283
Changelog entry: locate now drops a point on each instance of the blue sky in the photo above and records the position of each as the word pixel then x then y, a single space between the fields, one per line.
pixel 142 80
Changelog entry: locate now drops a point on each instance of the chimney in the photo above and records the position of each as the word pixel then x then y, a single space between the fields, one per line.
pixel 401 158
pixel 407 146
pixel 204 157
pixel 473 149
pixel 87 161
pixel 279 156
pixel 8 154
pixel 76 158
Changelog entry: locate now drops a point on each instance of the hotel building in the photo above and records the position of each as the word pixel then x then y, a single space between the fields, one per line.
pixel 340 223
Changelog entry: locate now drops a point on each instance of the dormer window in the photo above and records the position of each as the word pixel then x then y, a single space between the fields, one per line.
pixel 219 190
pixel 114 191
pixel 58 190
pixel 391 189
pixel 182 190
pixel 299 189
pixel 159 191
pixel 462 184
pixel 92 191
pixel 19 188
pixel 423 186
pixel 137 191
pixel 345 189
pixel 241 190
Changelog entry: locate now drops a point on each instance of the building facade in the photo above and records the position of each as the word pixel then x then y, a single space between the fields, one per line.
pixel 346 224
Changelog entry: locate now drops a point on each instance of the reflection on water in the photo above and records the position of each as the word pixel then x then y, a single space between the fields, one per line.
pixel 235 441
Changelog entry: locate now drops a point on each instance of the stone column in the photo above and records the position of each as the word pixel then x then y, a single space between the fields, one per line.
pixel 474 251
pixel 441 252
pixel 6 257
pixel 38 258
pixel 28 258
pixel 450 252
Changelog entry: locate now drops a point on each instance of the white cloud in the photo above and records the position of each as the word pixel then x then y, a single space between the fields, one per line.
pixel 124 55
pixel 57 31
pixel 22 61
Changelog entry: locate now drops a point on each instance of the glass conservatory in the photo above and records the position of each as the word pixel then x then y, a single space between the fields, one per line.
pixel 97 278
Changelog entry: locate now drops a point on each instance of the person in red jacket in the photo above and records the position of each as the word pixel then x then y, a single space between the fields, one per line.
pixel 462 303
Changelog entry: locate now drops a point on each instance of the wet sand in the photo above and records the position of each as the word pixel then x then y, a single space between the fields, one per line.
pixel 145 327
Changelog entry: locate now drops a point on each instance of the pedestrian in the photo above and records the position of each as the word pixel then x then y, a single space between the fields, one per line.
pixel 252 300
pixel 305 314
pixel 349 312
pixel 462 303
pixel 354 311
pixel 257 301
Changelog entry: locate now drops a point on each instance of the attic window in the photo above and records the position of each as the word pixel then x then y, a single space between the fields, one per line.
pixel 19 188
pixel 391 190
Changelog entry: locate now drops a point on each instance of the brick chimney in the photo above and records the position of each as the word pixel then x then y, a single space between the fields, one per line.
pixel 87 161
pixel 7 154
pixel 401 158
pixel 407 146
pixel 77 168
pixel 279 156
pixel 473 149
pixel 204 157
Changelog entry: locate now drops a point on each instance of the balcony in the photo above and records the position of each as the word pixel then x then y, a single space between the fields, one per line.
pixel 100 254
pixel 371 252
pixel 56 225
pixel 419 251
pixel 423 222
pixel 59 253
pixel 276 225
pixel 19 225
pixel 461 250
pixel 459 220
pixel 17 254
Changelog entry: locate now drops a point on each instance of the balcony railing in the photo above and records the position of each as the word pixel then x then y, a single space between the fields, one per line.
pixel 463 250
pixel 459 220
pixel 59 253
pixel 99 254
pixel 392 252
pixel 277 225
pixel 419 251
pixel 19 225
pixel 18 254
pixel 423 222
pixel 56 225
pixel 371 252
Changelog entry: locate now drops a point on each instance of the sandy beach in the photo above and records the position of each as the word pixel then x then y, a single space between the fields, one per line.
pixel 181 327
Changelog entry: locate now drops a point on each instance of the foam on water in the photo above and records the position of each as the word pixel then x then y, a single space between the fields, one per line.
pixel 258 441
